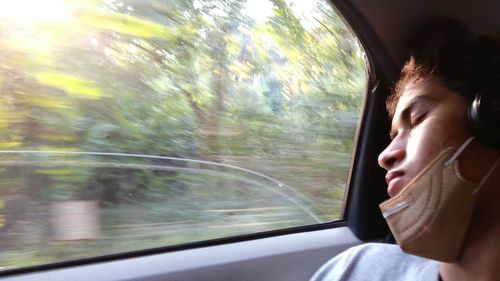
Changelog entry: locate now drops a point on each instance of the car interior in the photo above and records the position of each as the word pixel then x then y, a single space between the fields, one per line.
pixel 289 252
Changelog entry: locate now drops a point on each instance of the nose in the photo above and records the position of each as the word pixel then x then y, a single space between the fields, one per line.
pixel 392 155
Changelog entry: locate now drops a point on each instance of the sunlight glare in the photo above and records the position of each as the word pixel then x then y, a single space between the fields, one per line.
pixel 259 10
pixel 30 12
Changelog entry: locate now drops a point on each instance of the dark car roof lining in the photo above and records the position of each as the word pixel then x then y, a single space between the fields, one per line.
pixel 390 19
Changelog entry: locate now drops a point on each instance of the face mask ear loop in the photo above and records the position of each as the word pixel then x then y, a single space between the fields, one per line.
pixel 487 176
pixel 459 151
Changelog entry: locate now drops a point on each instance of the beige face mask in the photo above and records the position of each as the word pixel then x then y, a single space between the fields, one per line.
pixel 431 215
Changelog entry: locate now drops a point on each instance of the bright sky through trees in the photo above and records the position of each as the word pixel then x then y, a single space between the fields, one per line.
pixel 32 12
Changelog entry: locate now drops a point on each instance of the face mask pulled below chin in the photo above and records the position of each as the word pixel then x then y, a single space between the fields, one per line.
pixel 431 215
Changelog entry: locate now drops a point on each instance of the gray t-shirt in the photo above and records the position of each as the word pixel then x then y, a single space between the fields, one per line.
pixel 376 261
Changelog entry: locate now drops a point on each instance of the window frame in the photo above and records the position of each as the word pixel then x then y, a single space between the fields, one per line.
pixel 366 186
pixel 360 220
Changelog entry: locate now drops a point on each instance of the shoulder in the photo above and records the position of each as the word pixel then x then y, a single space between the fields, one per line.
pixel 376 261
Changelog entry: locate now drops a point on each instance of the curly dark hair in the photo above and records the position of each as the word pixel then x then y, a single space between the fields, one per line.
pixel 441 48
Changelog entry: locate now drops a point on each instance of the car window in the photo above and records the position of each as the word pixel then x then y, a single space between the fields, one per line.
pixel 129 125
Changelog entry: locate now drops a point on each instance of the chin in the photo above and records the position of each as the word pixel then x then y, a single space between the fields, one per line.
pixel 395 187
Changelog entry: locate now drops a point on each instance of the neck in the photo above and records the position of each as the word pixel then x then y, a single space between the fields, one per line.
pixel 481 252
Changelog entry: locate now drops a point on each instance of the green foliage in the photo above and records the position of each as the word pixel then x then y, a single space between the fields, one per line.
pixel 125 24
pixel 187 83
pixel 73 85
pixel 190 80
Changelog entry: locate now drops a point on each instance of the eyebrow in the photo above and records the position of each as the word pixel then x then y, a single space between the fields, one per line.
pixel 414 102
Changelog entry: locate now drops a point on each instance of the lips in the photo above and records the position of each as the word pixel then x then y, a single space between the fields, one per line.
pixel 394 182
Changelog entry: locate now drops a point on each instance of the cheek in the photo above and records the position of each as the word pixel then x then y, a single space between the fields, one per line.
pixel 454 131
pixel 422 144
pixel 434 135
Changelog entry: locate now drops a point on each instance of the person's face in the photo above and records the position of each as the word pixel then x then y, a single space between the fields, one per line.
pixel 428 119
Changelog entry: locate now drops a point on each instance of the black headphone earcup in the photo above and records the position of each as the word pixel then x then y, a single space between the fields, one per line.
pixel 484 119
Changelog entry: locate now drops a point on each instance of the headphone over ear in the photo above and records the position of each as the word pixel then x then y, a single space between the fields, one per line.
pixel 484 119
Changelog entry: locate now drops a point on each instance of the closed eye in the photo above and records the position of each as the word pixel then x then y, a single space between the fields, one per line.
pixel 417 119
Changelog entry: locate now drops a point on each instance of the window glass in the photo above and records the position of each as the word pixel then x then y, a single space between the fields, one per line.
pixel 131 124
